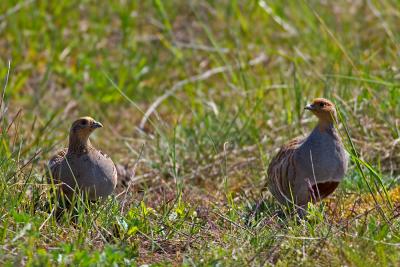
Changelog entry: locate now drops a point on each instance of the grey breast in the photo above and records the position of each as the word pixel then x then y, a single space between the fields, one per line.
pixel 93 172
pixel 322 157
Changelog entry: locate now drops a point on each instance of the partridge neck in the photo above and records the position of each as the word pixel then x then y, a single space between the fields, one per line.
pixel 324 125
pixel 78 144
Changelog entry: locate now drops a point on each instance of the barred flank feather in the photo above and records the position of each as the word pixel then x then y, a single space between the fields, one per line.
pixel 281 172
pixel 54 165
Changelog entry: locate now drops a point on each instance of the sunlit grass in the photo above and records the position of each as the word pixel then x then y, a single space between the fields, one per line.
pixel 197 96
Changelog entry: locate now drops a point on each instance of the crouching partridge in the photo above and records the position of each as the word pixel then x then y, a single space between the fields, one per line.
pixel 81 167
pixel 309 169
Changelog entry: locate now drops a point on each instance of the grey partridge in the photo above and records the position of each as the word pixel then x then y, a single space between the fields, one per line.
pixel 309 169
pixel 81 167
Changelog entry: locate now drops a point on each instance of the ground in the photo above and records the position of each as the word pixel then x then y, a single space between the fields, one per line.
pixel 195 98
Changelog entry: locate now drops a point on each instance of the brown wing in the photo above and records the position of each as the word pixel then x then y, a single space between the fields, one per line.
pixel 54 166
pixel 282 172
pixel 107 164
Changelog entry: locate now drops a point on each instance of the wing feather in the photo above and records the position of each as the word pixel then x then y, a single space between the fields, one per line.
pixel 54 165
pixel 282 171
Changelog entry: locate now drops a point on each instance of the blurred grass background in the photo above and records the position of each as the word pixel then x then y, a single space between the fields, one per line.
pixel 197 96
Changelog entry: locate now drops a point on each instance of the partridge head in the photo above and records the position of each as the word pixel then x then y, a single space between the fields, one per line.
pixel 80 131
pixel 324 110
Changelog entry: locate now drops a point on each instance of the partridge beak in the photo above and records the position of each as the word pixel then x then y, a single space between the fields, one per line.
pixel 96 125
pixel 310 107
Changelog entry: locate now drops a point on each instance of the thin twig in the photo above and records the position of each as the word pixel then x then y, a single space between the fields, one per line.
pixel 232 222
pixel 4 89
pixel 15 9
pixel 37 153
pixel 200 77
pixel 130 179
pixel 153 241
pixel 47 219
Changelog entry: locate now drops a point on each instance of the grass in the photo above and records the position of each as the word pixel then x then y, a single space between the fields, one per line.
pixel 196 96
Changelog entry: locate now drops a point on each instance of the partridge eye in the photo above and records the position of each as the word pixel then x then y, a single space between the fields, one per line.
pixel 84 122
pixel 321 104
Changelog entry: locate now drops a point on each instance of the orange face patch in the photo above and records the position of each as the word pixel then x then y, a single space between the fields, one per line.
pixel 323 104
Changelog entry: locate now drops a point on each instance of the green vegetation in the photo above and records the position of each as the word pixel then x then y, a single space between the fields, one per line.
pixel 196 96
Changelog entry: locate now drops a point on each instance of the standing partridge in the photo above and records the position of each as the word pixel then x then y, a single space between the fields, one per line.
pixel 81 166
pixel 309 169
